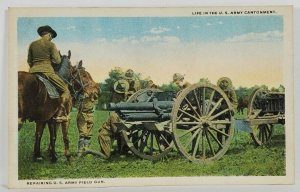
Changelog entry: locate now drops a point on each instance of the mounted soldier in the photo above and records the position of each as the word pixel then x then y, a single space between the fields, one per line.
pixel 42 54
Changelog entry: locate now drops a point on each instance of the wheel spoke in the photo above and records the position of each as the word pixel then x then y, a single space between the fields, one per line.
pixel 144 142
pixel 214 137
pixel 192 138
pixel 151 143
pixel 190 130
pixel 187 123
pixel 197 143
pixel 259 134
pixel 189 115
pixel 197 101
pixel 203 147
pixel 209 144
pixel 218 114
pixel 269 129
pixel 191 106
pixel 140 137
pixel 210 101
pixel 262 135
pixel 158 141
pixel 215 107
pixel 217 130
pixel 163 137
pixel 216 122
pixel 203 101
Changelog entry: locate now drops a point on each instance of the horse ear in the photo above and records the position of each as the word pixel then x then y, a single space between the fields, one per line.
pixel 79 64
pixel 69 54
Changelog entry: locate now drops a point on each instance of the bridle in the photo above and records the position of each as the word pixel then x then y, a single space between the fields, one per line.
pixel 77 78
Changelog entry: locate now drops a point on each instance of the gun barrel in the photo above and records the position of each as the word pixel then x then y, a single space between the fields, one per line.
pixel 148 116
pixel 140 105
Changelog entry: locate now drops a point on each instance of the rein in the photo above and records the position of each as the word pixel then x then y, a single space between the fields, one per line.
pixel 77 79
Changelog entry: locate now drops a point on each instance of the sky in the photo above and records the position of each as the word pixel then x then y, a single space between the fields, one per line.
pixel 248 49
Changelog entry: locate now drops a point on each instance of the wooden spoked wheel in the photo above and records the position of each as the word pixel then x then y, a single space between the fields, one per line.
pixel 202 122
pixel 148 144
pixel 144 139
pixel 260 134
pixel 255 105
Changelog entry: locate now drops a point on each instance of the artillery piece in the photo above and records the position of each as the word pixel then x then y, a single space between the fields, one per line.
pixel 199 120
pixel 265 109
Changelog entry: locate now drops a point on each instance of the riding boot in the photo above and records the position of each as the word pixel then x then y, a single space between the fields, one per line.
pixel 61 115
pixel 80 146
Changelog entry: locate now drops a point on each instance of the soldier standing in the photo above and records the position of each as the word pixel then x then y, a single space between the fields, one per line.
pixel 226 85
pixel 151 85
pixel 41 54
pixel 123 89
pixel 85 120
pixel 178 79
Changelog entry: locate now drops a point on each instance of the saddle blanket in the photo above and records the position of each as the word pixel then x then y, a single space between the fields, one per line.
pixel 52 91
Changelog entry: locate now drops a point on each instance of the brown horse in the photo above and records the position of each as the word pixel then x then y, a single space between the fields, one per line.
pixel 35 104
pixel 243 102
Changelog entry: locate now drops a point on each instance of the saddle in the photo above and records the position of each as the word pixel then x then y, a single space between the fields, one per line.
pixel 51 89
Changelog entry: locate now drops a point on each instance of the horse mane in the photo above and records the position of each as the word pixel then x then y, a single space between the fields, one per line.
pixel 63 70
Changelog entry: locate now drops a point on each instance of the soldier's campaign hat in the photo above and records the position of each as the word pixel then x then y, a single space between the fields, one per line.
pixel 129 74
pixel 178 77
pixel 121 86
pixel 224 79
pixel 41 31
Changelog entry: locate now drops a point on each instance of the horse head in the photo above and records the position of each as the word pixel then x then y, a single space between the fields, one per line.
pixel 63 70
pixel 82 82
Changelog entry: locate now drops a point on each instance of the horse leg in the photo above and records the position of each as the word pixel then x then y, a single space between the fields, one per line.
pixel 64 129
pixel 52 131
pixel 38 136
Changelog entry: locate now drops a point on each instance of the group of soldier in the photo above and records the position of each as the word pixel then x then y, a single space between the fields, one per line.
pixel 43 53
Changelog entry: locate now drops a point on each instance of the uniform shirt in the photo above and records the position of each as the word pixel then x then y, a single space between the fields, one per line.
pixel 40 55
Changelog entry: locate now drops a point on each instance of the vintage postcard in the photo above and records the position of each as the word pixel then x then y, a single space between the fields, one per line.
pixel 150 96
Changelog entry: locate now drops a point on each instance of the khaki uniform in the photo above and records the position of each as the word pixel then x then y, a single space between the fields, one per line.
pixel 41 54
pixel 232 97
pixel 226 85
pixel 85 121
pixel 108 131
pixel 85 116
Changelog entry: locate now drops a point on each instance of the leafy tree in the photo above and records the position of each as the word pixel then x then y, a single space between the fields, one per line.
pixel 169 87
pixel 204 80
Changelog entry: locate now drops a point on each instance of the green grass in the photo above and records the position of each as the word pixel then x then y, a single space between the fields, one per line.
pixel 242 158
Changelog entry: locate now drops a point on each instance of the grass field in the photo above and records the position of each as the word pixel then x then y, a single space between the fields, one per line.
pixel 242 158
